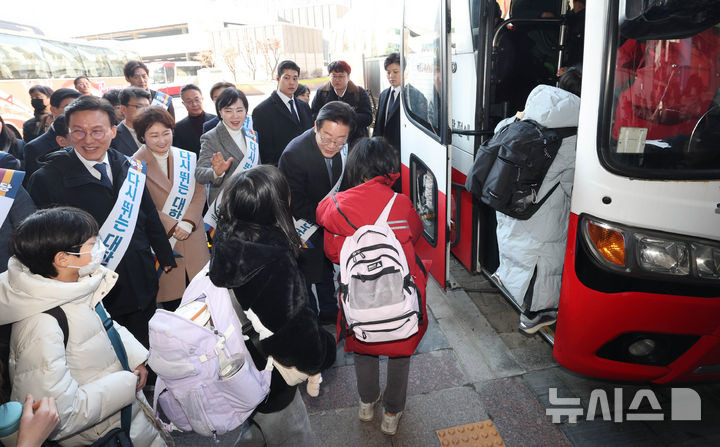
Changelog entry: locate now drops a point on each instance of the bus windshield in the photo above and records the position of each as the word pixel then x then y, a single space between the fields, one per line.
pixel 665 112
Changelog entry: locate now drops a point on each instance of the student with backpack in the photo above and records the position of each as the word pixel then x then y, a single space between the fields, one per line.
pixel 372 167
pixel 254 253
pixel 63 345
pixel 532 247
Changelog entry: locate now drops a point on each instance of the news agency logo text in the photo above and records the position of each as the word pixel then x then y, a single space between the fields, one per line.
pixel 685 405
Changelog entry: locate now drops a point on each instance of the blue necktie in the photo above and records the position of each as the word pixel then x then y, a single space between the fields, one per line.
pixel 328 164
pixel 293 112
pixel 102 169
pixel 391 103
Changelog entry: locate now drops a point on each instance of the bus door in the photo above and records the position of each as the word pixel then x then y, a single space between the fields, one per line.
pixel 514 56
pixel 472 225
pixel 424 125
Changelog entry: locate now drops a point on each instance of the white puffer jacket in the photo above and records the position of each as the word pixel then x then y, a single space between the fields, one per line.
pixel 539 242
pixel 86 379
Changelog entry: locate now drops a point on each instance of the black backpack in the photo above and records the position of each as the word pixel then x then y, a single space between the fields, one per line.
pixel 5 331
pixel 510 167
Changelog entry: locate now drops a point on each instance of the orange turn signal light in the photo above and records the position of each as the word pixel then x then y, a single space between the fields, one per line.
pixel 609 243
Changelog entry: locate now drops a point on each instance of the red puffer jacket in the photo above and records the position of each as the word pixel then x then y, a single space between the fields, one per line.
pixel 362 205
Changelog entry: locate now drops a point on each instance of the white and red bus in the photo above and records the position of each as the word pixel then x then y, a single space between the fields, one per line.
pixel 170 77
pixel 30 59
pixel 640 293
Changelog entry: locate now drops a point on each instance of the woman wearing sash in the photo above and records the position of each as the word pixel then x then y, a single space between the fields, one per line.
pixel 178 198
pixel 230 145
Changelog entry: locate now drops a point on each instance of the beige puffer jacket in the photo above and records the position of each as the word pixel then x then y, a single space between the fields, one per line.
pixel 86 379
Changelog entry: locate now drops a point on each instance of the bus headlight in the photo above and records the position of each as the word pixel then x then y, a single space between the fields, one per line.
pixel 662 256
pixel 707 259
pixel 643 252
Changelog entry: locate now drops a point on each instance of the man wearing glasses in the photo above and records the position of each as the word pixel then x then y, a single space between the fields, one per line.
pixel 94 177
pixel 132 101
pixel 138 75
pixel 313 164
pixel 189 129
pixel 341 88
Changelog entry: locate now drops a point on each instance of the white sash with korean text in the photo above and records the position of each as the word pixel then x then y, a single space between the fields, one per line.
pixel 183 186
pixel 251 159
pixel 10 184
pixel 306 229
pixel 118 228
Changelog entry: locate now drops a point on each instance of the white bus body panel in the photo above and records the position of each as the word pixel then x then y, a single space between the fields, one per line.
pixel 681 207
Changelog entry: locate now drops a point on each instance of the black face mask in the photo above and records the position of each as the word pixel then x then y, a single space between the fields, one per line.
pixel 37 104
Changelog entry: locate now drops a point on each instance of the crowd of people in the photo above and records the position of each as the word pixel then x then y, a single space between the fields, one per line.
pixel 114 208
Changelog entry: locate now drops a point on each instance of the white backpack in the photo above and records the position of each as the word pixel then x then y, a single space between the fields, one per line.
pixel 380 301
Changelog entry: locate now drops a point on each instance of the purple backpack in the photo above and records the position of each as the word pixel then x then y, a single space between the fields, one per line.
pixel 207 382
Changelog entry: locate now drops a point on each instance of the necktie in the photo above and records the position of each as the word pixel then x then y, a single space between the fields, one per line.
pixel 391 103
pixel 293 112
pixel 328 164
pixel 102 169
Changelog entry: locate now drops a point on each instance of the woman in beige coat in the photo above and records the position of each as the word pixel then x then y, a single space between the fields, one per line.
pixel 180 207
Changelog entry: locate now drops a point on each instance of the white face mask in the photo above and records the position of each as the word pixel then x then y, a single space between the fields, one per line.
pixel 97 252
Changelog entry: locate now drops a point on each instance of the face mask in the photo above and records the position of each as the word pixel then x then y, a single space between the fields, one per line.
pixel 37 103
pixel 97 252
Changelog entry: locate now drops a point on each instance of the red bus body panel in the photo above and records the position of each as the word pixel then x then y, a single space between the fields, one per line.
pixel 588 319
pixel 423 249
pixel 463 250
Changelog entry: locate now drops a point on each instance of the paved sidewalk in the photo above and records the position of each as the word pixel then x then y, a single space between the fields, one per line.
pixel 474 365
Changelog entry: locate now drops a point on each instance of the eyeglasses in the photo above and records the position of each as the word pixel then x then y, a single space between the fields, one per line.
pixel 328 141
pixel 193 102
pixel 81 134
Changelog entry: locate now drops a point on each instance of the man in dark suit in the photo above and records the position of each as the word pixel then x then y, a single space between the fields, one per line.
pixel 313 165
pixel 387 123
pixel 89 176
pixel 138 75
pixel 215 91
pixel 47 142
pixel 188 130
pixel 341 88
pixel 280 118
pixel 132 101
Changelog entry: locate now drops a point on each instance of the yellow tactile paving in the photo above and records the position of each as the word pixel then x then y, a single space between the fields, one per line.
pixel 477 434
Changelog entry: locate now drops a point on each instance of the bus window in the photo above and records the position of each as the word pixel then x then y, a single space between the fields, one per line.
pixel 158 75
pixel 64 60
pixel 116 60
pixel 422 88
pixel 21 58
pixel 169 73
pixel 95 61
pixel 187 70
pixel 424 194
pixel 665 111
